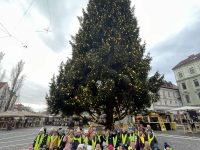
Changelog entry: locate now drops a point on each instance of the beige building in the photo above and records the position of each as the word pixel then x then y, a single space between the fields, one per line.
pixel 169 98
pixel 187 74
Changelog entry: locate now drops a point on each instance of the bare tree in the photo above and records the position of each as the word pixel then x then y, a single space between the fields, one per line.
pixel 16 82
pixel 2 72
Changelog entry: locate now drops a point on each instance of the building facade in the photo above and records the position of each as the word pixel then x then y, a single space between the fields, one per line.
pixel 187 74
pixel 169 98
pixel 21 107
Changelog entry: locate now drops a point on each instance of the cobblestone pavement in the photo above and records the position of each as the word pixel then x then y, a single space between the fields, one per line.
pixel 20 139
pixel 179 142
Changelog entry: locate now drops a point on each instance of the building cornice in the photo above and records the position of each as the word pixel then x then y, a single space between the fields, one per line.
pixel 188 78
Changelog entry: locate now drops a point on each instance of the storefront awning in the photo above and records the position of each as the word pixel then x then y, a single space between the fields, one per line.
pixel 185 108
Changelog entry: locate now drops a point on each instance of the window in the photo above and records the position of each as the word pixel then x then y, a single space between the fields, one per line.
pixel 196 83
pixel 187 99
pixel 199 95
pixel 191 70
pixel 184 86
pixel 169 94
pixel 165 102
pixel 159 93
pixel 180 74
pixel 164 94
pixel 174 94
pixel 170 102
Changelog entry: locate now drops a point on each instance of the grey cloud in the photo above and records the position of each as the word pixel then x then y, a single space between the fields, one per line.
pixel 60 14
pixel 33 93
pixel 171 51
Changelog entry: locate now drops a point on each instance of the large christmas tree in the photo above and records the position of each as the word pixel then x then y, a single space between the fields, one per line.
pixel 108 72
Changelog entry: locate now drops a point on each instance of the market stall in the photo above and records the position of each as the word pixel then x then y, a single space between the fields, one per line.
pixel 20 119
pixel 159 122
pixel 189 118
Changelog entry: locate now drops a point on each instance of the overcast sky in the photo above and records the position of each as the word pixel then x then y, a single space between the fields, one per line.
pixel 171 29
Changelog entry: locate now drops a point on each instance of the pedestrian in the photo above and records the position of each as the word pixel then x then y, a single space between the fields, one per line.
pixel 116 140
pixel 61 143
pixel 94 140
pixel 167 146
pixel 150 137
pixel 99 138
pixel 122 147
pixel 141 140
pixel 54 141
pixel 132 140
pixel 38 140
pixel 148 127
pixel 43 145
pixel 110 147
pixel 48 140
pixel 147 146
pixel 98 146
pixel 68 140
pixel 80 147
pixel 124 138
pixel 77 139
pixel 109 137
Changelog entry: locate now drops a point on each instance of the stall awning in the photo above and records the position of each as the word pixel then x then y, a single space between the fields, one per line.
pixel 20 114
pixel 185 108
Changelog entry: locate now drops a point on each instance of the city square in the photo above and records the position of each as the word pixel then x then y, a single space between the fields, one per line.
pixel 99 75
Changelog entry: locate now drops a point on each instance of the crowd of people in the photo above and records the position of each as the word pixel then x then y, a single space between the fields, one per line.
pixel 133 138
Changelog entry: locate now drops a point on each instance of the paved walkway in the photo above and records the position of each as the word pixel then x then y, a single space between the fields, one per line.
pixel 17 139
pixel 20 139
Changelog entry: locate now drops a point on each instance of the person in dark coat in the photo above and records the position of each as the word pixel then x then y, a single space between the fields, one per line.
pixel 140 140
pixel 150 137
pixel 61 143
pixel 44 141
pixel 99 139
pixel 116 139
pixel 77 139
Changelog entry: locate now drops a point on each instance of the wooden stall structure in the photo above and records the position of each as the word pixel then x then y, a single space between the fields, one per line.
pixel 158 122
pixel 20 119
pixel 189 118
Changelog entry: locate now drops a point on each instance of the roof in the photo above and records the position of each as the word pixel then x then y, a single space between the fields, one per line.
pixel 2 84
pixel 188 60
pixel 169 85
pixel 20 114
